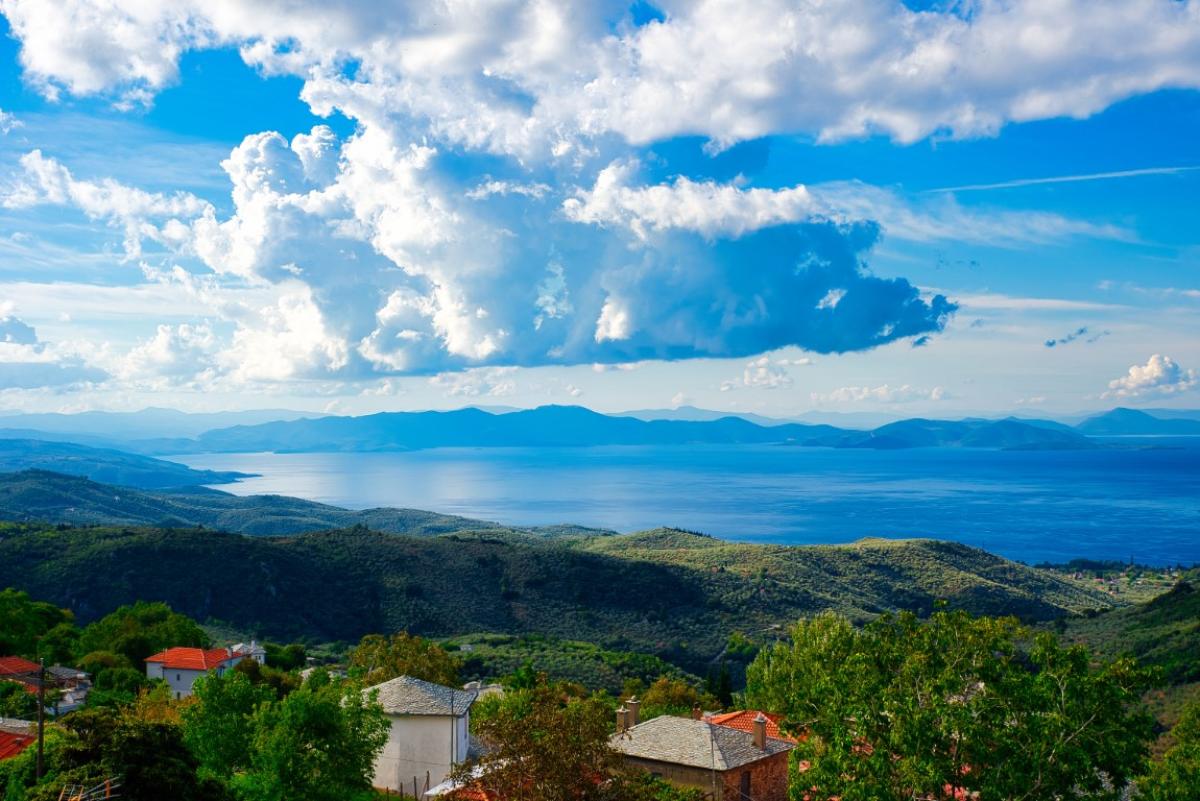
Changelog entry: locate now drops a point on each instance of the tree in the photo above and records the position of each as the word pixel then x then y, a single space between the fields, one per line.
pixel 668 696
pixel 24 622
pixel 377 659
pixel 286 657
pixel 319 744
pixel 1176 777
pixel 547 743
pixel 148 758
pixel 16 701
pixel 140 630
pixel 544 745
pixel 951 707
pixel 218 727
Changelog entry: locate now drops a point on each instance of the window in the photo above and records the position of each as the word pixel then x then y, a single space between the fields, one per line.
pixel 176 677
pixel 745 788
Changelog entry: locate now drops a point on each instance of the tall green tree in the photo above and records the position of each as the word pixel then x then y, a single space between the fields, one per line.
pixel 1176 777
pixel 950 707
pixel 24 622
pixel 317 744
pixel 377 659
pixel 137 631
pixel 547 743
pixel 219 726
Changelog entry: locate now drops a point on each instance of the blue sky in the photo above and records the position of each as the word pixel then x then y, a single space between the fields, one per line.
pixel 851 207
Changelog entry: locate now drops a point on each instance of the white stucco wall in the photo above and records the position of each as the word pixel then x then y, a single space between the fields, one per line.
pixel 180 681
pixel 418 744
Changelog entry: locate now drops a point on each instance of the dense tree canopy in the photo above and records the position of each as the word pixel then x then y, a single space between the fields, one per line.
pixel 137 631
pixel 951 707
pixel 24 623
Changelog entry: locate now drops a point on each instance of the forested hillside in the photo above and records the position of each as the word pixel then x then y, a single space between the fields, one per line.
pixel 624 592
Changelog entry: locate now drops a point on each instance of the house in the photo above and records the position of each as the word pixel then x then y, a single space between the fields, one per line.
pixel 744 719
pixel 429 733
pixel 724 762
pixel 73 686
pixel 15 737
pixel 180 667
pixel 67 687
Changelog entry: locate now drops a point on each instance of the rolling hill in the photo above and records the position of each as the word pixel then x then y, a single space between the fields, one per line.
pixel 666 593
pixel 36 495
pixel 104 465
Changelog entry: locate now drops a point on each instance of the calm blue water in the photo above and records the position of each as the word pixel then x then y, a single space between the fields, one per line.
pixel 1028 505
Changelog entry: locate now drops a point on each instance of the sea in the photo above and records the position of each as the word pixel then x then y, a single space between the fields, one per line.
pixel 1136 500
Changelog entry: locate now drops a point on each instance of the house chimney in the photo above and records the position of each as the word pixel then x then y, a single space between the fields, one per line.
pixel 760 731
pixel 632 704
pixel 622 721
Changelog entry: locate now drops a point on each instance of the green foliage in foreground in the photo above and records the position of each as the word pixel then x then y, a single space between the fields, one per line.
pixel 549 743
pixel 233 742
pixel 902 709
pixel 1177 776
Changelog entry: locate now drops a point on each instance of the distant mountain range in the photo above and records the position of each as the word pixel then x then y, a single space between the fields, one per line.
pixel 574 426
pixel 543 427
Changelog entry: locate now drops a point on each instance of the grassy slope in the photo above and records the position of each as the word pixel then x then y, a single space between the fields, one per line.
pixel 635 592
pixel 1163 632
pixel 41 495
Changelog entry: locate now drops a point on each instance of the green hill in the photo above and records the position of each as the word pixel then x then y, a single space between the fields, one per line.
pixel 55 498
pixel 635 592
pixel 103 464
pixel 1164 631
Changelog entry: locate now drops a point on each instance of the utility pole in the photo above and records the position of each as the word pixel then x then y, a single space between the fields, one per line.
pixel 41 717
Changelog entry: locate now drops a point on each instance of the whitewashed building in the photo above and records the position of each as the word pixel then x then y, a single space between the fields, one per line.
pixel 180 667
pixel 429 734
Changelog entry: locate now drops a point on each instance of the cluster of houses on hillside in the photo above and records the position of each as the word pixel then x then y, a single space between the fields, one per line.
pixel 735 756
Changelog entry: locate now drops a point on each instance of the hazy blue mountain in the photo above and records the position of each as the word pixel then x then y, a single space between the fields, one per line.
pixel 546 426
pixel 57 498
pixel 105 465
pixel 574 426
pixel 145 424
pixel 697 415
pixel 1008 433
pixel 1133 421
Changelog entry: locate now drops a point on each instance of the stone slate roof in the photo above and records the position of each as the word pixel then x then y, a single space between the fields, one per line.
pixel 405 695
pixel 695 743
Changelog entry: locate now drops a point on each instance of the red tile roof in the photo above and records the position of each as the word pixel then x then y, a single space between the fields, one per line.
pixel 192 658
pixel 16 666
pixel 743 720
pixel 12 744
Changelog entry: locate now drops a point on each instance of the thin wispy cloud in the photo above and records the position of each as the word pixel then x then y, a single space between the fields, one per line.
pixel 1066 179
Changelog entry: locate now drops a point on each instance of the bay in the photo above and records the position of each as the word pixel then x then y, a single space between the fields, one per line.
pixel 1140 504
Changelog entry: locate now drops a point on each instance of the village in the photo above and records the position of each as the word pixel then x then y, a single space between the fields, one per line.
pixel 740 754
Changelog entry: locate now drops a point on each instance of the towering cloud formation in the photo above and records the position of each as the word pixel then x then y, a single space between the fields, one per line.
pixel 388 251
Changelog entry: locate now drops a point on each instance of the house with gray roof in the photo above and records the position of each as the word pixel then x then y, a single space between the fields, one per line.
pixel 725 763
pixel 429 734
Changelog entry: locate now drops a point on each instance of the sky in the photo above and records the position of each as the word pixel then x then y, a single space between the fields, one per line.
pixel 923 208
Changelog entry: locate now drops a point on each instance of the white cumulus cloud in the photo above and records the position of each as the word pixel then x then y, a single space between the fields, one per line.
pixel 1160 375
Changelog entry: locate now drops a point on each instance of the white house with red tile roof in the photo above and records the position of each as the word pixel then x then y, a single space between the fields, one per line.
pixel 180 667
